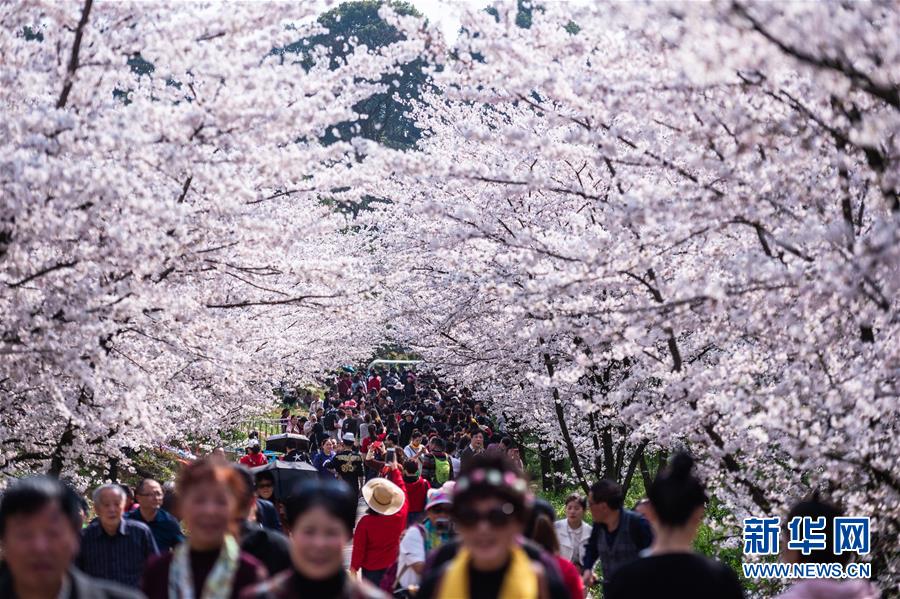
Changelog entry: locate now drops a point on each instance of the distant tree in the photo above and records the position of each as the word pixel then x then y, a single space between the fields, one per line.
pixel 387 118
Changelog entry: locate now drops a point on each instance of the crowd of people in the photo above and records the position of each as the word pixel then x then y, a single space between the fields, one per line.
pixel 448 514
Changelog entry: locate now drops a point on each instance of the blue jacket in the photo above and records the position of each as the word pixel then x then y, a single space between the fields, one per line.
pixel 319 462
pixel 267 515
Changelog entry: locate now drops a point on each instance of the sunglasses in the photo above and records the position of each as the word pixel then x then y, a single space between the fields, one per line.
pixel 440 509
pixel 264 486
pixel 497 517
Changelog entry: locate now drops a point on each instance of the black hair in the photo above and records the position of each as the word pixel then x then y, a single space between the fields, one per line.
pixel 676 492
pixel 28 496
pixel 140 488
pixel 577 497
pixel 609 492
pixel 249 484
pixel 265 475
pixel 332 495
pixel 540 508
pixel 438 443
pixel 411 467
pixel 815 507
pixel 484 490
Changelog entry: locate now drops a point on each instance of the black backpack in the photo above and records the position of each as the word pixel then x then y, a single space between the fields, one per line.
pixel 330 420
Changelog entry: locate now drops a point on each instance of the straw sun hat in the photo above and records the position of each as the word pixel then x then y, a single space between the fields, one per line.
pixel 383 496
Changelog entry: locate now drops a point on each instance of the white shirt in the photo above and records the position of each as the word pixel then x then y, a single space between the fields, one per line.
pixel 411 452
pixel 412 551
pixel 570 540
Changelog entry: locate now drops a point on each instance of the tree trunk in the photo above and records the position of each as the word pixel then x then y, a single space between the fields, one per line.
pixel 637 456
pixel 564 428
pixel 56 460
pixel 546 468
pixel 645 471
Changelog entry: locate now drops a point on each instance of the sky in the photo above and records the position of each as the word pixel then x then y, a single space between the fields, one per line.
pixel 445 13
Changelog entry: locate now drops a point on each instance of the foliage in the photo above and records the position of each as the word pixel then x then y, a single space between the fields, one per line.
pixel 677 234
pixel 162 258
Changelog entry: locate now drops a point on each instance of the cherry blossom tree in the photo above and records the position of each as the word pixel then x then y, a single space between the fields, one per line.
pixel 165 245
pixel 663 225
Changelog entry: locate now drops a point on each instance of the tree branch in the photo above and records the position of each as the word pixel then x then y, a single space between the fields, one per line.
pixel 73 57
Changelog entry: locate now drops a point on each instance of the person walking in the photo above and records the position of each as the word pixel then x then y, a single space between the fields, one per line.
pixel 39 530
pixel 618 535
pixel 544 534
pixel 376 541
pixel 320 517
pixel 417 489
pixel 270 547
pixel 420 539
pixel 672 568
pixel 476 446
pixel 210 563
pixel 322 456
pixel 814 507
pixel 113 547
pixel 266 501
pixel 490 509
pixel 436 466
pixel 255 457
pixel 347 463
pixel 572 531
pixel 407 426
pixel 165 528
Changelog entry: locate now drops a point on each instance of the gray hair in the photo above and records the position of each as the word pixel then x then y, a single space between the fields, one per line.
pixel 95 497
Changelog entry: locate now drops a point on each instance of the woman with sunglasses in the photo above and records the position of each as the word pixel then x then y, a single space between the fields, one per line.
pixel 672 568
pixel 490 508
pixel 320 516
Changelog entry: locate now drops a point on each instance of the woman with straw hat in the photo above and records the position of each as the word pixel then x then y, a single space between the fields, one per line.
pixel 376 541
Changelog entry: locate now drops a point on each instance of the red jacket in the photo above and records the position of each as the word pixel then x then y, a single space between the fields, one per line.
pixel 252 462
pixel 376 540
pixel 571 578
pixel 416 493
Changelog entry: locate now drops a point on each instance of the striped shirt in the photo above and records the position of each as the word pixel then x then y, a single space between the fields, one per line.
pixel 119 557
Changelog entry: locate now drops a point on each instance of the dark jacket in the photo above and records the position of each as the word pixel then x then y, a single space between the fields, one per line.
pixel 631 537
pixel 82 587
pixel 289 585
pixel 267 515
pixel 269 547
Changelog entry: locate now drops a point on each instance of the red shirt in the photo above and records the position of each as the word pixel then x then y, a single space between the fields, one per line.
pixel 364 448
pixel 344 387
pixel 376 540
pixel 253 460
pixel 571 578
pixel 416 493
pixel 374 383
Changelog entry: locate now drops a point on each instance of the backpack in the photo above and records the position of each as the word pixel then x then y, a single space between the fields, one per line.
pixel 330 420
pixel 391 576
pixel 441 470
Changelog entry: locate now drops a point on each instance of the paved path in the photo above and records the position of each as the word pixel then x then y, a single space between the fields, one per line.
pixel 348 550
